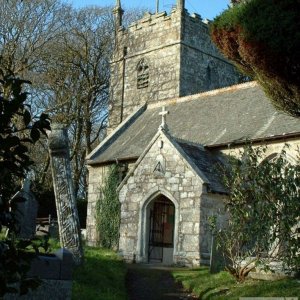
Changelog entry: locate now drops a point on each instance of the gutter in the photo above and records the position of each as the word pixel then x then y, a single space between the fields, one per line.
pixel 254 141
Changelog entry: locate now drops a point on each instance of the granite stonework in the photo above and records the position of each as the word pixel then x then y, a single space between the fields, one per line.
pixel 97 175
pixel 96 181
pixel 26 211
pixel 67 214
pixel 181 184
pixel 169 61
pixel 180 58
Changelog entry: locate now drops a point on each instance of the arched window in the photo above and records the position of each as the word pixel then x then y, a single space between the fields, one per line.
pixel 286 162
pixel 142 74
pixel 274 156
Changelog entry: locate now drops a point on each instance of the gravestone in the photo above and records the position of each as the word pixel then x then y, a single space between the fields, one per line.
pixel 217 261
pixel 26 211
pixel 67 214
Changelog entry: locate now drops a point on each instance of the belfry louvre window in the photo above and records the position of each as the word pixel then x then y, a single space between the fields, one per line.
pixel 142 74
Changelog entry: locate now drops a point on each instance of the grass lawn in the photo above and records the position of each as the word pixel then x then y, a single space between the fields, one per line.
pixel 223 286
pixel 102 276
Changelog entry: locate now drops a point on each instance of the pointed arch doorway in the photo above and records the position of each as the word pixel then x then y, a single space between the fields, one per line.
pixel 161 228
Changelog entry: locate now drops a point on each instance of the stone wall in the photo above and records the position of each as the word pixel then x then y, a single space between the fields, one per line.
pixel 180 184
pixel 96 181
pixel 202 67
pixel 273 147
pixel 180 57
pixel 154 38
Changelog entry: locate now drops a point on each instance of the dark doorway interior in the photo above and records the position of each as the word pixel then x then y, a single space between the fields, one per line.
pixel 161 235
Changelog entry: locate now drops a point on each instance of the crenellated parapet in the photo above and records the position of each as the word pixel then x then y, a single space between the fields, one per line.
pixel 163 56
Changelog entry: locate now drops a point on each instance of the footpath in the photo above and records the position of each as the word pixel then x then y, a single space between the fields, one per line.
pixel 153 282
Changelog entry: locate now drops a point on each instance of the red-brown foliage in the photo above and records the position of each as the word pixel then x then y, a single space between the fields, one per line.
pixel 276 67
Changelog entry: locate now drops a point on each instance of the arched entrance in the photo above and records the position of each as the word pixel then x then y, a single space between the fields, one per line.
pixel 161 221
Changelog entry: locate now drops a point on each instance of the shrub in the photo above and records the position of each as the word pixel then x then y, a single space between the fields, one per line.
pixel 262 38
pixel 263 208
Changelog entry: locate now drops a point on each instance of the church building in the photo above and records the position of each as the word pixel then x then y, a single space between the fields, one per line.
pixel 176 105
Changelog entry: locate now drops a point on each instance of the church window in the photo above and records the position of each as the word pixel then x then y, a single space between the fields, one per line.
pixel 142 74
pixel 287 161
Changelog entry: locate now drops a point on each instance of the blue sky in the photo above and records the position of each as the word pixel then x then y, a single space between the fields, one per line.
pixel 206 8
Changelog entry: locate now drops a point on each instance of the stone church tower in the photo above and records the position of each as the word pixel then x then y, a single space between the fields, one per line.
pixel 163 56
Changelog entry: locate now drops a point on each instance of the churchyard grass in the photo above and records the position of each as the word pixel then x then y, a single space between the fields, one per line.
pixel 224 286
pixel 102 276
pixel 54 245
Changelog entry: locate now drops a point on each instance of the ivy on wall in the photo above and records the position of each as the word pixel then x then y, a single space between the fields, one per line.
pixel 108 210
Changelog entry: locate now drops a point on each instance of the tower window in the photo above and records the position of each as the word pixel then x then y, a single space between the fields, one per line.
pixel 142 74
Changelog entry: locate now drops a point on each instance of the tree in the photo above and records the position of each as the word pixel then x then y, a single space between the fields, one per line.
pixel 263 208
pixel 262 38
pixel 65 53
pixel 77 79
pixel 17 129
pixel 108 210
pixel 27 29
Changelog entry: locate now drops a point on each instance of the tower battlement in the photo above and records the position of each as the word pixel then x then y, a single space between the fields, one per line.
pixel 162 56
pixel 150 19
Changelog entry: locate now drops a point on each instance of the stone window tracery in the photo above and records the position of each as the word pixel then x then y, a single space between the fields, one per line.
pixel 142 74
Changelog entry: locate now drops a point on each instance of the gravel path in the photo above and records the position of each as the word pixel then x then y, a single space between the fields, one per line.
pixel 153 282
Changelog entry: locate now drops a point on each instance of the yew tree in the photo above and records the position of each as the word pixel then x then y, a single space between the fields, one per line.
pixel 262 38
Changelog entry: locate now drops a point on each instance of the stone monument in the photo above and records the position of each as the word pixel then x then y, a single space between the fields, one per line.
pixel 26 210
pixel 67 214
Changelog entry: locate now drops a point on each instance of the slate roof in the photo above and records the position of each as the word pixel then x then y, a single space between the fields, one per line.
pixel 207 163
pixel 214 118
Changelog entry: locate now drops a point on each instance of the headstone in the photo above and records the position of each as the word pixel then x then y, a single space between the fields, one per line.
pixel 25 211
pixel 217 261
pixel 67 214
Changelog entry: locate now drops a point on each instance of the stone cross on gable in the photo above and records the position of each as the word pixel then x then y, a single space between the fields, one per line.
pixel 163 115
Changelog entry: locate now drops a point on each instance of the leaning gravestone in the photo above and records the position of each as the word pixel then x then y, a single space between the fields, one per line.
pixel 67 215
pixel 26 211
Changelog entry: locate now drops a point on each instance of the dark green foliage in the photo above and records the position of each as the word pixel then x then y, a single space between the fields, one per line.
pixel 263 207
pixel 108 210
pixel 262 38
pixel 15 258
pixel 17 130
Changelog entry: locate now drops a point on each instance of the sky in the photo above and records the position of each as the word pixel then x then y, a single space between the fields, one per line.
pixel 208 9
